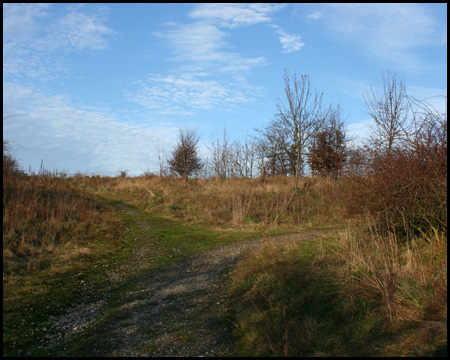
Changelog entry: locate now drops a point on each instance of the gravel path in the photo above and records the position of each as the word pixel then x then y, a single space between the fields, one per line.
pixel 178 310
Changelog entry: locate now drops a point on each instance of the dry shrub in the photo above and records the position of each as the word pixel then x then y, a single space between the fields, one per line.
pixel 10 165
pixel 407 186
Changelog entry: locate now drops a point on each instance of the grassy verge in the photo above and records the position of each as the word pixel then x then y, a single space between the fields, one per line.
pixel 340 297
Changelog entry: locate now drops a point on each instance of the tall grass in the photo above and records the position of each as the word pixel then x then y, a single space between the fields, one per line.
pixel 228 203
pixel 46 221
pixel 408 275
pixel 362 294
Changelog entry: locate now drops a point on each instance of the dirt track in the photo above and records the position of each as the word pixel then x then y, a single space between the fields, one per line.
pixel 178 310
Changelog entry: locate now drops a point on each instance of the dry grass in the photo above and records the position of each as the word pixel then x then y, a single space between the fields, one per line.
pixel 362 294
pixel 367 293
pixel 46 221
pixel 252 204
pixel 404 274
pixel 409 277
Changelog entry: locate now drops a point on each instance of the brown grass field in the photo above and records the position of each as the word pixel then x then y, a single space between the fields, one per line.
pixel 373 291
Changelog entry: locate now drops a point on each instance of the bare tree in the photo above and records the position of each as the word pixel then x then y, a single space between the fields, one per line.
pixel 162 161
pixel 185 160
pixel 429 133
pixel 242 158
pixel 220 151
pixel 302 115
pixel 278 149
pixel 260 151
pixel 389 110
pixel 356 162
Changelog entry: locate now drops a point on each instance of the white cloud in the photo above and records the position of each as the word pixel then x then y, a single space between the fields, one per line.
pixel 184 94
pixel 21 20
pixel 69 138
pixel 359 132
pixel 289 42
pixel 235 14
pixel 201 46
pixel 35 38
pixel 202 52
pixel 197 42
pixel 316 15
pixel 388 31
pixel 78 31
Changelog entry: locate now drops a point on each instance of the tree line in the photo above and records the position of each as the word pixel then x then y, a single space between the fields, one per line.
pixel 304 134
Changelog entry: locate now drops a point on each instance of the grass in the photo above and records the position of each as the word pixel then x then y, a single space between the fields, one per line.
pixel 176 239
pixel 57 275
pixel 358 295
pixel 368 293
pixel 57 241
pixel 281 310
pixel 227 204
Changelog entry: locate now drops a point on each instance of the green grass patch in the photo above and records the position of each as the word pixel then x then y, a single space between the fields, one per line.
pixel 179 238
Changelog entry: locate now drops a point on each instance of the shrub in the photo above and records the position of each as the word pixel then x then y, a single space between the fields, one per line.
pixel 10 164
pixel 408 185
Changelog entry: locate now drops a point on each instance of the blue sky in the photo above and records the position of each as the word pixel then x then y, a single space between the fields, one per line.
pixel 97 88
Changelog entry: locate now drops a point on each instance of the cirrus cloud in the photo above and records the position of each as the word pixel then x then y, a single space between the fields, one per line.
pixel 392 32
pixel 235 14
pixel 183 94
pixel 36 40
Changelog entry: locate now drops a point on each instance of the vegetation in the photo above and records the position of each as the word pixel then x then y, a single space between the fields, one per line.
pixel 380 289
pixel 185 160
pixel 232 204
pixel 45 220
pixel 359 295
pixel 327 152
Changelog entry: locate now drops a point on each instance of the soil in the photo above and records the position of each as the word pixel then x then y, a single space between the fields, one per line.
pixel 181 309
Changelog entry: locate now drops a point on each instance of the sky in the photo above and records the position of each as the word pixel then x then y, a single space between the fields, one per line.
pixel 103 88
